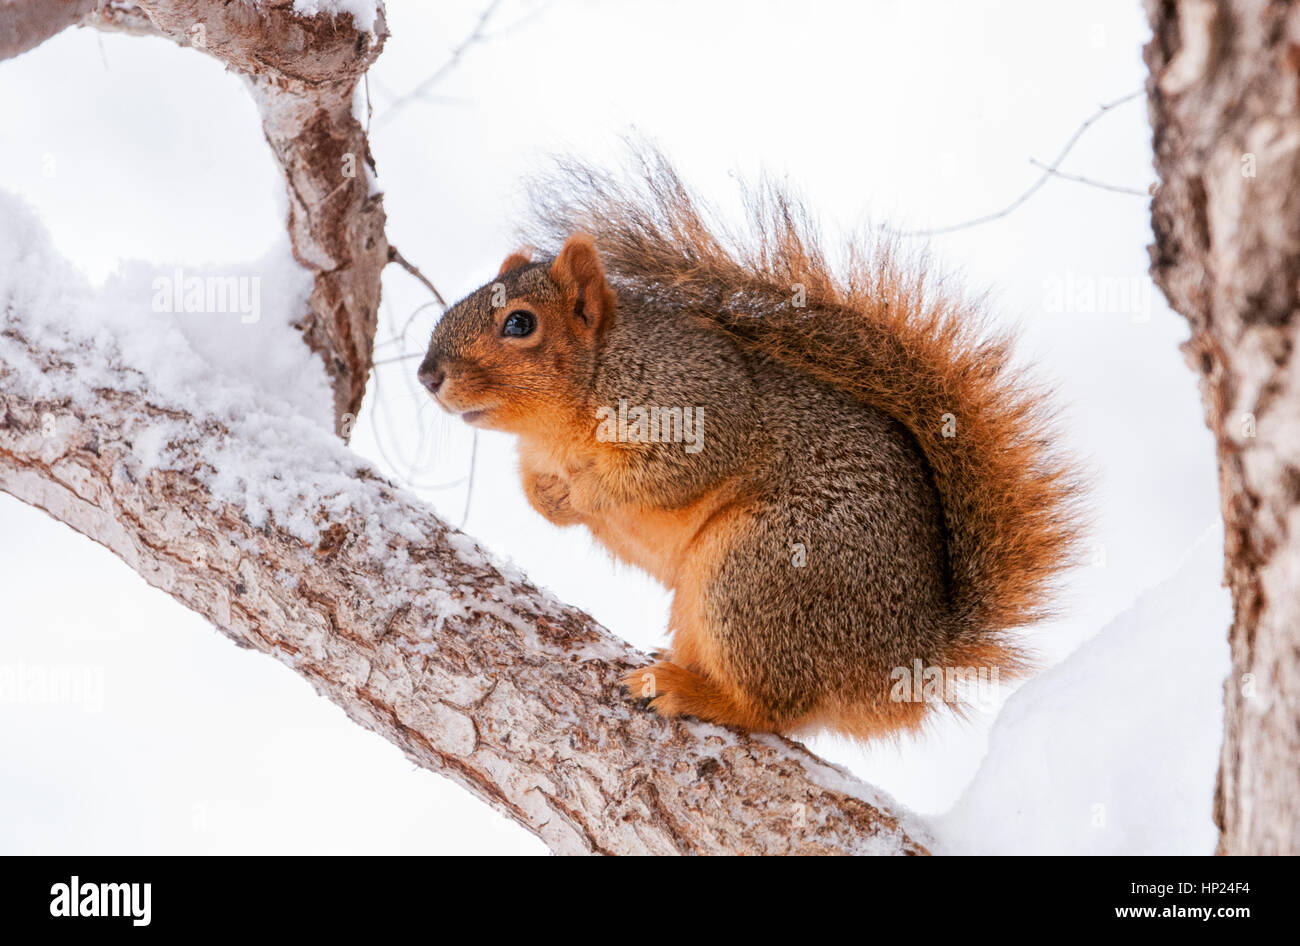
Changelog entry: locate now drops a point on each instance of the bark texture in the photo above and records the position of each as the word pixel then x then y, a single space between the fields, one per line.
pixel 1224 93
pixel 303 73
pixel 25 24
pixel 404 622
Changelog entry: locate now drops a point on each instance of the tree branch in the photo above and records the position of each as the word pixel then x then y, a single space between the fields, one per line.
pixel 1049 171
pixel 394 256
pixel 303 72
pixel 458 52
pixel 1080 179
pixel 292 546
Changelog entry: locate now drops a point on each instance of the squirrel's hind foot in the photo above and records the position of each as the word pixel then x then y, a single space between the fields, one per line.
pixel 674 690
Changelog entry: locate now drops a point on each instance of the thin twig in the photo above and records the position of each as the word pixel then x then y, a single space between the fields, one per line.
pixel 528 17
pixel 1047 174
pixel 395 257
pixel 406 327
pixel 370 108
pixel 400 337
pixel 475 36
pixel 1080 179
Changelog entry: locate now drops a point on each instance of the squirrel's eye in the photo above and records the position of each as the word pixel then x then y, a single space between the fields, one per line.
pixel 519 324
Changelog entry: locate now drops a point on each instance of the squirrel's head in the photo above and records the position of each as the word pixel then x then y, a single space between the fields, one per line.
pixel 522 350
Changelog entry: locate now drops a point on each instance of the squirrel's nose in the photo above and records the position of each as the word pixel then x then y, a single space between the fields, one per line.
pixel 431 376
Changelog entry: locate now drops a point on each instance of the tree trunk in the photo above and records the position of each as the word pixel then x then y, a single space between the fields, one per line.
pixel 1224 92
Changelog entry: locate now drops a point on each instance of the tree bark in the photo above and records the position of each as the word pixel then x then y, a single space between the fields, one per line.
pixel 25 24
pixel 1224 93
pixel 303 73
pixel 402 621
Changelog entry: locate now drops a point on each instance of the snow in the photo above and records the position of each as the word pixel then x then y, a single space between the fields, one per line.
pixel 257 379
pixel 364 12
pixel 1115 750
pixel 187 355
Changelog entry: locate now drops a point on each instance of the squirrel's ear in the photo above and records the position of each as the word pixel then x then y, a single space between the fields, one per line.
pixel 514 261
pixel 578 273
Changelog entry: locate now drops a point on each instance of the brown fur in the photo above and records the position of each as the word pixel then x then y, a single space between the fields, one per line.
pixel 823 429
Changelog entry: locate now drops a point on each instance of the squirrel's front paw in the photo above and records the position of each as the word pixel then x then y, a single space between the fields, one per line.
pixel 550 496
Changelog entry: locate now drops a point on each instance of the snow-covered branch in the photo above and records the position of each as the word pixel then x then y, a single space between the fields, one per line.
pixel 258 518
pixel 303 72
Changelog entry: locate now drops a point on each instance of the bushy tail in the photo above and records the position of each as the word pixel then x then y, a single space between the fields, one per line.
pixel 885 331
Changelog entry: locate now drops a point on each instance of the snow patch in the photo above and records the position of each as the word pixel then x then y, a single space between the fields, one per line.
pixel 364 12
pixel 1114 750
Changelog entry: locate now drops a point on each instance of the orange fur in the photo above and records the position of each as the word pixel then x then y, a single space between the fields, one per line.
pixel 515 261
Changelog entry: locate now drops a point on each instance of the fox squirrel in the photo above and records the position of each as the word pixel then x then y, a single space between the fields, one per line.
pixel 840 478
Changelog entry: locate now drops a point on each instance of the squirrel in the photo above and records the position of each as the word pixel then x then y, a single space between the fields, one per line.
pixel 841 478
